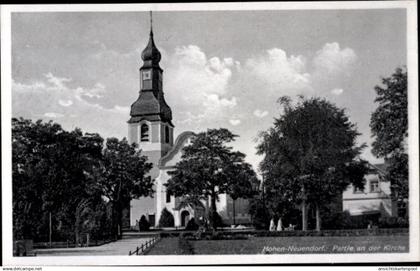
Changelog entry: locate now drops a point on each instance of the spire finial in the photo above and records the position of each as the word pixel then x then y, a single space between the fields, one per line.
pixel 151 23
pixel 151 53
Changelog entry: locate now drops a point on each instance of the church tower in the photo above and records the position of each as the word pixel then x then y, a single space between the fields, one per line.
pixel 150 124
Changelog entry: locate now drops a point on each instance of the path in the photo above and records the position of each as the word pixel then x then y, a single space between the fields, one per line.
pixel 120 247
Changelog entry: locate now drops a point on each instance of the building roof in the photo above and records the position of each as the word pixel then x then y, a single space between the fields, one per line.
pixel 379 168
pixel 179 144
pixel 151 55
pixel 151 104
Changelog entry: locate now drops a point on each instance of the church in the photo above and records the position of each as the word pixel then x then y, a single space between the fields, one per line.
pixel 150 126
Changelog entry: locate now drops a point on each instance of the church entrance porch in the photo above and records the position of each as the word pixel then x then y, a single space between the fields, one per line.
pixel 185 217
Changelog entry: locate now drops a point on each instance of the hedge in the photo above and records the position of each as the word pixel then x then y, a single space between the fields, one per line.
pixel 226 234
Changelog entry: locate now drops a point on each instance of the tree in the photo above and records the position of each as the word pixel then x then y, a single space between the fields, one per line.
pixel 60 178
pixel 259 212
pixel 389 125
pixel 207 169
pixel 144 225
pixel 244 182
pixel 122 177
pixel 166 219
pixel 310 156
pixel 50 169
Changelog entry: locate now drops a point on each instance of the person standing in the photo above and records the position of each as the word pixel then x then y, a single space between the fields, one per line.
pixel 272 225
pixel 279 225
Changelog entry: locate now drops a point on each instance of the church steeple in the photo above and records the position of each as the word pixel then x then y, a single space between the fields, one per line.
pixel 151 104
pixel 151 55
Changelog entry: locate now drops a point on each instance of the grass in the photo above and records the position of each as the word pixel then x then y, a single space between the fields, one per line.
pixel 288 245
pixel 166 246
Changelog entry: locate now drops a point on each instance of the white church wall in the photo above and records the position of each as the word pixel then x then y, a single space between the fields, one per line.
pixel 133 133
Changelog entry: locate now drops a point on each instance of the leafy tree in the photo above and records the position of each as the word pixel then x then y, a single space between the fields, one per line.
pixel 50 169
pixel 122 177
pixel 310 156
pixel 244 182
pixel 60 178
pixel 259 213
pixel 389 125
pixel 208 168
pixel 192 225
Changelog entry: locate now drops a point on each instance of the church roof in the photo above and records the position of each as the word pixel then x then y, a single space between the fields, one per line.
pixel 151 105
pixel 179 144
pixel 151 55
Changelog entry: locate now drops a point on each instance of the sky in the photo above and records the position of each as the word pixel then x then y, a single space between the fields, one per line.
pixel 221 68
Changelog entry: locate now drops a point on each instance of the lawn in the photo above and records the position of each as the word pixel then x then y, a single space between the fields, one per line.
pixel 166 246
pixel 287 245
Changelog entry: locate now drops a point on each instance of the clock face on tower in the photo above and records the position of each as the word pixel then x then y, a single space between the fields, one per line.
pixel 147 75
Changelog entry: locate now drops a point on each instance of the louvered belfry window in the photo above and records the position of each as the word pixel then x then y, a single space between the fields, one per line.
pixel 144 132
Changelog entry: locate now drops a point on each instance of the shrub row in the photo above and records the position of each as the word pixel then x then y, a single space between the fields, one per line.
pixel 62 244
pixel 219 235
pixel 353 232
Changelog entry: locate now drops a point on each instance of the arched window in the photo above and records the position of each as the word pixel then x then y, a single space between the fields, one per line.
pixel 166 134
pixel 144 132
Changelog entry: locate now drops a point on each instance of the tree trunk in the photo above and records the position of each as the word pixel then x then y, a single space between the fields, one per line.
pixel 119 220
pixel 115 220
pixel 213 211
pixel 304 211
pixel 304 216
pixel 234 214
pixel 207 211
pixel 318 217
pixel 50 230
pixel 76 237
pixel 76 229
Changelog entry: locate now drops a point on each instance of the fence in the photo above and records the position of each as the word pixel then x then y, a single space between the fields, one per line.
pixel 144 247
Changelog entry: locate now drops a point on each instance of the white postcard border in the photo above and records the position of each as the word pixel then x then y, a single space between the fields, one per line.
pixel 6 82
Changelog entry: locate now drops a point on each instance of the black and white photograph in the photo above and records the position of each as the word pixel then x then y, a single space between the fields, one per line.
pixel 229 133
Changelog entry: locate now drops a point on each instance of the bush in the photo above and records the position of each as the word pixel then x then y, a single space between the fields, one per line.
pixel 192 225
pixel 259 214
pixel 218 220
pixel 166 219
pixel 337 221
pixel 393 222
pixel 347 232
pixel 144 225
pixel 344 220
pixel 227 236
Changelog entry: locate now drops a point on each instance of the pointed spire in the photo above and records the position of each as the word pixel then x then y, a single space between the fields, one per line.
pixel 151 23
pixel 151 54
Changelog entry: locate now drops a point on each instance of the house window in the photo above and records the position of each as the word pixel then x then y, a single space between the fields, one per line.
pixel 168 197
pixel 357 190
pixel 166 134
pixel 144 133
pixel 374 186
